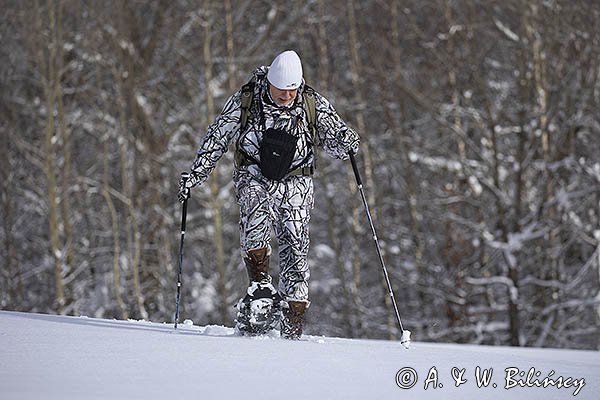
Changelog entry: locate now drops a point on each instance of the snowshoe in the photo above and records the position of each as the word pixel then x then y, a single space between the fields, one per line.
pixel 259 311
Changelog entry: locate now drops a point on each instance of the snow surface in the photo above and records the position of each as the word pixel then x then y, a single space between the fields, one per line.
pixel 58 357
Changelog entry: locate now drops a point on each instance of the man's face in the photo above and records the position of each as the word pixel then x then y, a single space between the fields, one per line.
pixel 281 97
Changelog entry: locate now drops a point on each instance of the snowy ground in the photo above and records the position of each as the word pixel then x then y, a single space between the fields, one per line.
pixel 55 357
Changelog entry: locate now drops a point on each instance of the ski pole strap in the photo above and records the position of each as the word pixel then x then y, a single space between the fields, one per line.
pixel 355 168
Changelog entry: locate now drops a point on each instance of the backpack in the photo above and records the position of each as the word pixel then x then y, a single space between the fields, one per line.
pixel 308 95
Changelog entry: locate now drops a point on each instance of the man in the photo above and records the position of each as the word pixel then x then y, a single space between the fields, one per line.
pixel 268 121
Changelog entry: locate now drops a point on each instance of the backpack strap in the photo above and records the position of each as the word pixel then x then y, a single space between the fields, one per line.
pixel 246 99
pixel 247 94
pixel 311 111
pixel 310 106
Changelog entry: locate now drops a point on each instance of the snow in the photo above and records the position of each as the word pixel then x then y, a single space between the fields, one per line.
pixel 59 357
pixel 507 31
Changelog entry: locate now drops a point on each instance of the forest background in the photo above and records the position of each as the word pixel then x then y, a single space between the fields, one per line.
pixel 480 126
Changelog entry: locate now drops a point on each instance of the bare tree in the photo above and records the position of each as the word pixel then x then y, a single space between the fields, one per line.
pixel 478 123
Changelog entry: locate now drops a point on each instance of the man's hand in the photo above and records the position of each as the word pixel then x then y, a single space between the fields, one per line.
pixel 184 190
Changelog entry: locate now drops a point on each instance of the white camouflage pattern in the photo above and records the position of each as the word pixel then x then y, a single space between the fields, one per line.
pixel 280 205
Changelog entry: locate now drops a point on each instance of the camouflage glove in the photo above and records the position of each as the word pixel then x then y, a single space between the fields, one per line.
pixel 184 187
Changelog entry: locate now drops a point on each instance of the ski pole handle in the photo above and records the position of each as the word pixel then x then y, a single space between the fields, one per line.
pixel 184 177
pixel 355 168
pixel 184 215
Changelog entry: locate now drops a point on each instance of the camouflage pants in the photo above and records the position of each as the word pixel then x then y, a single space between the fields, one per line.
pixel 285 208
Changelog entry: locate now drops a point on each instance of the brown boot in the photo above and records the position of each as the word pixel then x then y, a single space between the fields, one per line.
pixel 257 264
pixel 293 319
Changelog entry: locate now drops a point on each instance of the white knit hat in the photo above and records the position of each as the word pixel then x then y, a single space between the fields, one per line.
pixel 285 72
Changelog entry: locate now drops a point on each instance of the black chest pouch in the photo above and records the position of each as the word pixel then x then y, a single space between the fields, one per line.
pixel 277 151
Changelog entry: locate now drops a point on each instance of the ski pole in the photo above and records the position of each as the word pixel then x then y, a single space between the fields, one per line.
pixel 184 176
pixel 405 338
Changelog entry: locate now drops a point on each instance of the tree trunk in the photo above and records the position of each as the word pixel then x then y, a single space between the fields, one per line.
pixel 48 70
pixel 356 70
pixel 231 65
pixel 114 220
pixel 396 111
pixel 64 132
pixel 214 178
pixel 10 284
